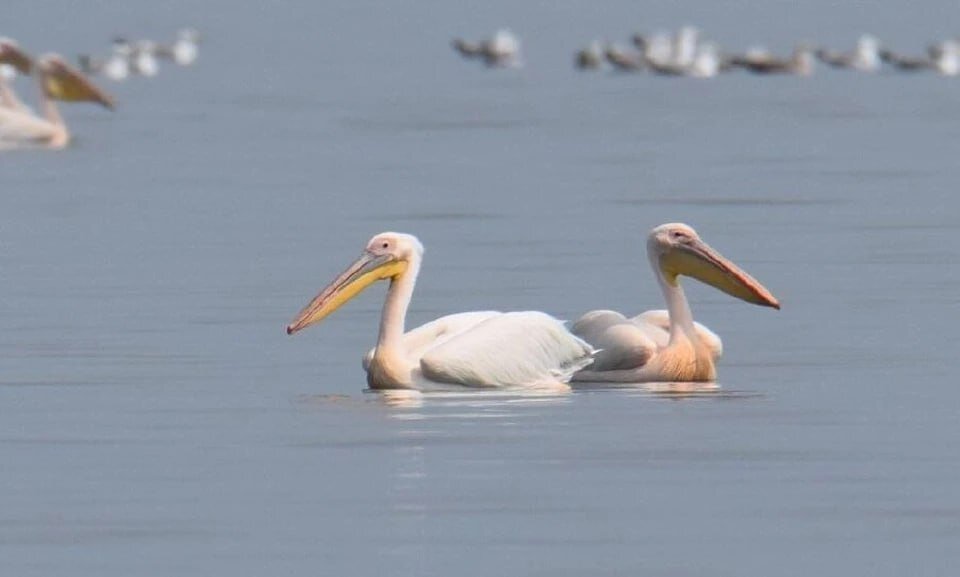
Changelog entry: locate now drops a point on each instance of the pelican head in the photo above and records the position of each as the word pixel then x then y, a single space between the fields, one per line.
pixel 387 256
pixel 676 249
pixel 12 55
pixel 63 82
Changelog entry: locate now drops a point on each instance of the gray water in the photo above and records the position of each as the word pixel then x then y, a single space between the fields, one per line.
pixel 156 420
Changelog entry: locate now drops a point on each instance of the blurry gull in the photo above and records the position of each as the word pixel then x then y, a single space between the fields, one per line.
pixel 501 50
pixel 589 58
pixel 184 51
pixel 760 61
pixel 115 67
pixel 865 58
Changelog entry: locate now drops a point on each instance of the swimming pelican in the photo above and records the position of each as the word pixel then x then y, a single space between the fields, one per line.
pixel 13 61
pixel 477 349
pixel 667 345
pixel 58 81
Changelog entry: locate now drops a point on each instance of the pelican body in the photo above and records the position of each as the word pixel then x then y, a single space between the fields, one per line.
pixel 13 61
pixel 488 349
pixel 58 81
pixel 667 345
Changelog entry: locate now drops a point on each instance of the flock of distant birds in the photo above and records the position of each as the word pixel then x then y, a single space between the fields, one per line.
pixel 21 127
pixel 684 53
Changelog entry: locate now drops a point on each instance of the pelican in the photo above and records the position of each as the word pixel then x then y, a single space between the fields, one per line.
pixel 13 61
pixel 477 349
pixel 667 345
pixel 58 81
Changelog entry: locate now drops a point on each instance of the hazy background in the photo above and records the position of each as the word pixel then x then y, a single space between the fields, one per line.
pixel 154 417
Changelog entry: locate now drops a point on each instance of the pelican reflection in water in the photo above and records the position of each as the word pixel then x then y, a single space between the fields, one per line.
pixel 667 345
pixel 58 81
pixel 476 349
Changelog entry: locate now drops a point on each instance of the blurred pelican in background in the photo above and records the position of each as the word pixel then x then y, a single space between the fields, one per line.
pixel 667 345
pixel 477 349
pixel 58 81
pixel 501 51
pixel 13 61
pixel 865 58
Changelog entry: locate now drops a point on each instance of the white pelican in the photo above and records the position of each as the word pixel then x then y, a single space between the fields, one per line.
pixel 58 81
pixel 477 349
pixel 667 345
pixel 13 61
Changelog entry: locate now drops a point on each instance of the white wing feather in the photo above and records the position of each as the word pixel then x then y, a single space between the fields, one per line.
pixel 519 349
pixel 417 341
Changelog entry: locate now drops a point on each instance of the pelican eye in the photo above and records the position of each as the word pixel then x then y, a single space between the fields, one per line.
pixel 385 245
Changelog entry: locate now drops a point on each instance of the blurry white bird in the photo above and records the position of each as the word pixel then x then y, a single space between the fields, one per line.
pixel 185 50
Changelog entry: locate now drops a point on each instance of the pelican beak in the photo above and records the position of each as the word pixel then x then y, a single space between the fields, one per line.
pixel 368 269
pixel 14 56
pixel 62 82
pixel 699 260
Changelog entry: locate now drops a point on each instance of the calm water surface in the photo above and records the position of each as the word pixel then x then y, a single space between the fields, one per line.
pixel 155 419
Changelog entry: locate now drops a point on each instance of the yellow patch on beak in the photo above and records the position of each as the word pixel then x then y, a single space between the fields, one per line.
pixel 64 83
pixel 367 270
